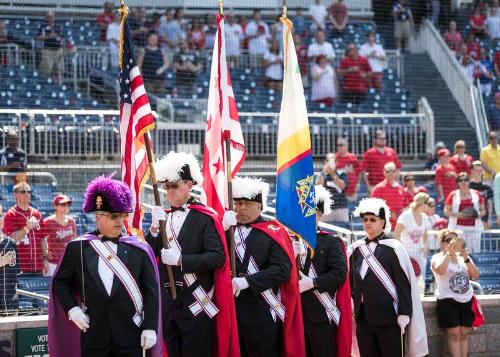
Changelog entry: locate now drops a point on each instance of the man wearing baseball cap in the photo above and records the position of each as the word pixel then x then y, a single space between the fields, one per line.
pixel 445 175
pixel 55 232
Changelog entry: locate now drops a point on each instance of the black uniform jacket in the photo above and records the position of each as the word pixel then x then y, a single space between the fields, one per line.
pixel 202 252
pixel 330 264
pixel 274 269
pixel 110 315
pixel 378 303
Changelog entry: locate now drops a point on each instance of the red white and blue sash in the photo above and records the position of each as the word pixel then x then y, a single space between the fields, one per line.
pixel 380 273
pixel 119 269
pixel 203 300
pixel 273 300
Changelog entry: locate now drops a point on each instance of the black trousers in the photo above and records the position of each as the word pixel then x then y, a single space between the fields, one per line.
pixel 188 337
pixel 377 341
pixel 113 351
pixel 260 341
pixel 321 338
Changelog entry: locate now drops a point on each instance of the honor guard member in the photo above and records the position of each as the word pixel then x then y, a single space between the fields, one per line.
pixel 265 283
pixel 106 284
pixel 324 288
pixel 384 289
pixel 202 319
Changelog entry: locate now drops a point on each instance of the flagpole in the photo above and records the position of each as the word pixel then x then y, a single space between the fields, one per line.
pixel 163 233
pixel 227 141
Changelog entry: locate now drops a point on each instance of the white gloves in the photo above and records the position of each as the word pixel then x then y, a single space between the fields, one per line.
pixel 305 283
pixel 229 219
pixel 148 339
pixel 157 214
pixel 79 318
pixel 403 321
pixel 32 223
pixel 238 285
pixel 298 248
pixel 170 257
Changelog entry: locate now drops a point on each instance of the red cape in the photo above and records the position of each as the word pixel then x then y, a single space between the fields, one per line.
pixel 293 326
pixel 226 341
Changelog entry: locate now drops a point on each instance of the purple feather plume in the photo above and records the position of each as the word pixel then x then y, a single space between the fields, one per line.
pixel 116 195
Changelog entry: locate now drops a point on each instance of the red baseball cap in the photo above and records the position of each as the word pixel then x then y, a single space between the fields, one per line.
pixel 443 152
pixel 61 199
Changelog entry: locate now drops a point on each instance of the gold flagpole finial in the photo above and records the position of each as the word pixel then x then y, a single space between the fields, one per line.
pixel 221 7
pixel 123 11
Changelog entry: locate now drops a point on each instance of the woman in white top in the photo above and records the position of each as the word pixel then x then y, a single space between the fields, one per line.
pixel 324 82
pixel 273 63
pixel 411 230
pixel 452 268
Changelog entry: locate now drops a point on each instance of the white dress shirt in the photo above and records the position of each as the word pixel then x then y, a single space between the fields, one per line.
pixel 364 266
pixel 105 271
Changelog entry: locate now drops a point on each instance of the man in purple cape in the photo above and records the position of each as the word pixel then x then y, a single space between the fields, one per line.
pixel 105 291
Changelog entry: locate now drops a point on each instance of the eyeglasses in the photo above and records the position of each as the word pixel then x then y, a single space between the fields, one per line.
pixel 24 192
pixel 462 180
pixel 369 219
pixel 114 216
pixel 64 204
pixel 172 185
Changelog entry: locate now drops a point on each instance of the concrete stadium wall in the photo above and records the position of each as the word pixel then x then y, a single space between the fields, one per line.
pixel 484 342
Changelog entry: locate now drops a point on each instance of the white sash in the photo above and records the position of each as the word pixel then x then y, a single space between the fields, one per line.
pixel 329 303
pixel 380 273
pixel 274 301
pixel 203 300
pixel 123 274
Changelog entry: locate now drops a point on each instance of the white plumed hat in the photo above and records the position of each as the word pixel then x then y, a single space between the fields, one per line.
pixel 250 189
pixel 377 207
pixel 324 199
pixel 176 166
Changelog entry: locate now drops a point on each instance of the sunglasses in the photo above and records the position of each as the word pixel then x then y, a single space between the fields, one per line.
pixel 172 186
pixel 369 219
pixel 24 192
pixel 114 216
pixel 64 204
pixel 462 180
pixel 409 179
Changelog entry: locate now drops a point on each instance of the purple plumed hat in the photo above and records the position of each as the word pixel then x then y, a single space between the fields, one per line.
pixel 108 195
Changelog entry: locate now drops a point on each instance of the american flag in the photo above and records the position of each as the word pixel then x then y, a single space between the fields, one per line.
pixel 136 120
pixel 222 121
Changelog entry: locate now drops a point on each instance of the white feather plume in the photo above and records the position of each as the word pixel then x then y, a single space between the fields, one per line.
pixel 249 188
pixel 323 195
pixel 169 167
pixel 373 205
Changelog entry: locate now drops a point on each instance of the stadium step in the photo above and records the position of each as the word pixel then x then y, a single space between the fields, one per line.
pixel 449 119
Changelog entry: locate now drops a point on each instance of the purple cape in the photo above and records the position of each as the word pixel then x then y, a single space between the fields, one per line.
pixel 64 336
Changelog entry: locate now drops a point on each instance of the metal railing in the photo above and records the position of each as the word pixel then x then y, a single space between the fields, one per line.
pixel 95 133
pixel 481 119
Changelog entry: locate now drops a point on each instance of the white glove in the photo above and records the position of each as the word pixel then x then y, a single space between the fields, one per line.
pixel 229 219
pixel 298 248
pixel 403 321
pixel 148 339
pixel 238 285
pixel 32 223
pixel 170 256
pixel 157 214
pixel 79 318
pixel 305 283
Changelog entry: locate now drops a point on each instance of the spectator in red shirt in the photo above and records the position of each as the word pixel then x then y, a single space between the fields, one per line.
pixel 21 222
pixel 477 23
pixel 196 36
pixel 355 71
pixel 465 207
pixel 337 13
pixel 55 232
pixel 452 37
pixel 375 158
pixel 104 19
pixel 348 162
pixel 461 160
pixel 473 47
pixel 445 176
pixel 410 188
pixel 392 192
pixel 301 50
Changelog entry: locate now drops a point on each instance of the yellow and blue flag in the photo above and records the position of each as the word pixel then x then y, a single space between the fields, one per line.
pixel 295 197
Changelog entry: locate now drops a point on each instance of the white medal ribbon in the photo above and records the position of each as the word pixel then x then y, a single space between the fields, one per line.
pixel 123 274
pixel 203 300
pixel 273 300
pixel 380 273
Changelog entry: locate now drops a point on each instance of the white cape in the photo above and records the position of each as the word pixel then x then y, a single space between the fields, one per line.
pixel 416 341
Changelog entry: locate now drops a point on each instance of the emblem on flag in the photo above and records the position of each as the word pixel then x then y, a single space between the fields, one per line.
pixel 306 195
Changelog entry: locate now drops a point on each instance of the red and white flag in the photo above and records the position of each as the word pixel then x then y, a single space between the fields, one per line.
pixel 136 119
pixel 222 121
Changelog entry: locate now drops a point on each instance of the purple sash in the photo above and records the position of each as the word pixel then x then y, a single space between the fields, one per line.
pixel 64 336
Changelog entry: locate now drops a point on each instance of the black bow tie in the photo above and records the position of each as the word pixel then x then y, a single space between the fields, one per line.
pixel 246 225
pixel 112 240
pixel 182 209
pixel 368 240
